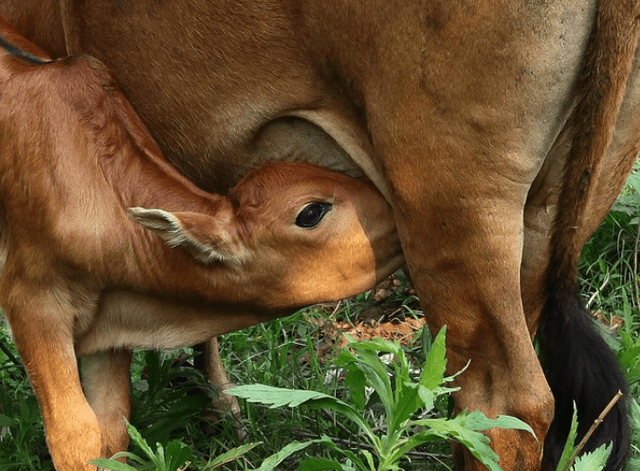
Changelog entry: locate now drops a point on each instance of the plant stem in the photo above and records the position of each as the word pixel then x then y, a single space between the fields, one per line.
pixel 592 429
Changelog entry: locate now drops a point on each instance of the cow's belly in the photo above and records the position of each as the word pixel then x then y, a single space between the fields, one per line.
pixel 215 94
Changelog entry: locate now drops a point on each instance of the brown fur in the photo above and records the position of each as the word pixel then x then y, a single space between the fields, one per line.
pixel 458 112
pixel 80 277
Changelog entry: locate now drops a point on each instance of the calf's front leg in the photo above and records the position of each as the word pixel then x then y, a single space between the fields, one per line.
pixel 41 321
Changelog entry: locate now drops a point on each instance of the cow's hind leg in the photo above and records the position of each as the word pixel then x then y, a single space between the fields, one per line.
pixel 463 244
pixel 41 324
pixel 579 364
pixel 583 174
pixel 106 378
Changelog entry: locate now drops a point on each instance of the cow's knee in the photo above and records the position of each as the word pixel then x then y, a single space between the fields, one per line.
pixel 518 450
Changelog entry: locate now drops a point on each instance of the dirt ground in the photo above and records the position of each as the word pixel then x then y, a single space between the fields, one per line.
pixel 386 317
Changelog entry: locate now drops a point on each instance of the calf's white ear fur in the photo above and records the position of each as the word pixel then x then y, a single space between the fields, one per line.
pixel 201 235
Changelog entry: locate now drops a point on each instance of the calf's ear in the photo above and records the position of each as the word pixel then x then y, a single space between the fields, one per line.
pixel 205 237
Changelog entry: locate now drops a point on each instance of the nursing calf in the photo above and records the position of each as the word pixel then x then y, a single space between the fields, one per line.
pixel 105 247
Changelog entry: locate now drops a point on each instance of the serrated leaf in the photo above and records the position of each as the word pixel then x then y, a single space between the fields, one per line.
pixel 138 440
pixel 465 429
pixel 418 439
pixel 378 345
pixel 112 465
pixel 278 397
pixel 426 396
pixel 477 421
pixel 434 368
pixel 355 383
pixel 594 460
pixel 476 442
pixel 408 402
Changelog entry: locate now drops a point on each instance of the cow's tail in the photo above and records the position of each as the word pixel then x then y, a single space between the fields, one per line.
pixel 579 365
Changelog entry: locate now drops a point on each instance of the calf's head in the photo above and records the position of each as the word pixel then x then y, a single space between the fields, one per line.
pixel 289 235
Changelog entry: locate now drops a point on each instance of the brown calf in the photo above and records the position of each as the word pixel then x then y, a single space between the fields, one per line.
pixel 500 131
pixel 85 267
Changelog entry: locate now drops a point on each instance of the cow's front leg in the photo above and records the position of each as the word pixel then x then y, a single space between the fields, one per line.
pixel 41 321
pixel 463 248
pixel 106 378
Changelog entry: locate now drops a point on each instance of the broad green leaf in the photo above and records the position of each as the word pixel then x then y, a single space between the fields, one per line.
pixel 400 364
pixel 274 460
pixel 476 442
pixel 426 396
pixel 426 340
pixel 378 345
pixel 138 440
pixel 375 372
pixel 355 382
pixel 320 464
pixel 594 460
pixel 368 360
pixel 158 458
pixel 436 364
pixel 177 454
pixel 377 376
pixel 112 465
pixel 409 401
pixel 382 386
pixel 278 397
pixel 477 421
pixel 125 454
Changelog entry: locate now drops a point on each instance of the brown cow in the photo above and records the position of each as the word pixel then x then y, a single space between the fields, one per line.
pixel 80 277
pixel 500 132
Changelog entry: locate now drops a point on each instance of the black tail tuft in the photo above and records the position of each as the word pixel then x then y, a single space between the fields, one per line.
pixel 581 368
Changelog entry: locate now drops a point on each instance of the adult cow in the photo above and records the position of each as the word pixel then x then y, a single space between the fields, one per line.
pixel 500 131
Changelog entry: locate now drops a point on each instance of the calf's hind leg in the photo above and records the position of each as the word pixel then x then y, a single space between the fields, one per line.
pixel 106 378
pixel 210 362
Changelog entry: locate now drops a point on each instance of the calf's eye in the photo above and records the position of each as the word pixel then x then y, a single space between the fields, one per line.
pixel 312 214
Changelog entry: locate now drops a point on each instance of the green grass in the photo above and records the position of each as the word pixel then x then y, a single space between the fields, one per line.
pixel 171 399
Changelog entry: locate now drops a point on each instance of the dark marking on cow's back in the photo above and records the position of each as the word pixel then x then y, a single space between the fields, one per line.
pixel 21 53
